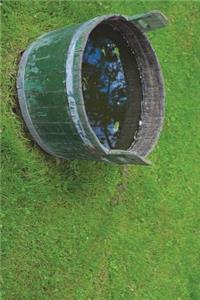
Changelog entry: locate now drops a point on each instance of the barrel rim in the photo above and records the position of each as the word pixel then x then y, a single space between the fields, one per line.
pixel 79 41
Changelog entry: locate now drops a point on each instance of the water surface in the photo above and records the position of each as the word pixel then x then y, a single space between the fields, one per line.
pixel 104 88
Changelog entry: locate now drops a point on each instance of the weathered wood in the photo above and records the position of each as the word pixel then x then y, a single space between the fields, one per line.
pixel 51 100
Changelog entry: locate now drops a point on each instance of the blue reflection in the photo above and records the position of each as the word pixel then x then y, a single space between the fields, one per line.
pixel 92 55
pixel 104 89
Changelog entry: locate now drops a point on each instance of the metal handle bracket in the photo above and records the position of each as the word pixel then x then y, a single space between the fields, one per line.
pixel 149 21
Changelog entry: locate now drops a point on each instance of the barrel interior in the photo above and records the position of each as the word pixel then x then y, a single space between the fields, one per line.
pixel 111 85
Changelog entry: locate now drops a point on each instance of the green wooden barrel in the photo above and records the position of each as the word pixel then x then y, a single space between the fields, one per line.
pixel 52 101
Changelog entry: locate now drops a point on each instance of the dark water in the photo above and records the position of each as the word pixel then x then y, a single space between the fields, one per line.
pixel 104 88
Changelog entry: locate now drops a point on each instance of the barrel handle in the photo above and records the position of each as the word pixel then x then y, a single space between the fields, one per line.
pixel 126 157
pixel 149 21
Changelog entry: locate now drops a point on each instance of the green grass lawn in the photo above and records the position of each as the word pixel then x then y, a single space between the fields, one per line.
pixel 86 230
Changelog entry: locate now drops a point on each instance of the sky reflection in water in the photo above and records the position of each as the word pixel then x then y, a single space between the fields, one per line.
pixel 104 89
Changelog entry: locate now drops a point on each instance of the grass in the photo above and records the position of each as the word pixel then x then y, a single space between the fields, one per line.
pixel 86 230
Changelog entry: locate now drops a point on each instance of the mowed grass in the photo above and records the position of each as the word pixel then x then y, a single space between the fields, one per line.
pixel 86 230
